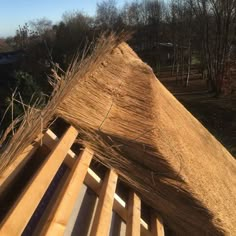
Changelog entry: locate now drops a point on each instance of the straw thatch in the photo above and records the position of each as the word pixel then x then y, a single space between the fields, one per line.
pixel 137 127
pixel 35 121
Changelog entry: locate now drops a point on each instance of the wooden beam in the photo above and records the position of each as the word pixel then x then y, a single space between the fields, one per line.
pixel 145 232
pixel 15 167
pixel 20 214
pixel 102 219
pixel 58 220
pixel 92 180
pixel 119 207
pixel 50 140
pixel 133 215
pixel 157 227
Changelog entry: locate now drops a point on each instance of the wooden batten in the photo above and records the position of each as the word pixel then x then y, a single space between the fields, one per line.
pixel 157 228
pixel 120 209
pixel 20 214
pixel 80 173
pixel 11 172
pixel 133 215
pixel 92 180
pixel 58 220
pixel 103 213
pixel 50 140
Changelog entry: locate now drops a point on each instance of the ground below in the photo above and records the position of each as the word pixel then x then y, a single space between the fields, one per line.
pixel 218 115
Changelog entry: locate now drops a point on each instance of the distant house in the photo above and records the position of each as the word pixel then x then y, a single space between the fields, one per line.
pixel 157 54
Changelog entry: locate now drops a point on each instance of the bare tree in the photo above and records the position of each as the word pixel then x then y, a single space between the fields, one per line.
pixel 218 23
pixel 189 34
pixel 131 14
pixel 107 14
pixel 178 25
pixel 22 36
pixel 40 26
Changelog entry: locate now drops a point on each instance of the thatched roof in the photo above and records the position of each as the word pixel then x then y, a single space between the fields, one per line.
pixel 137 127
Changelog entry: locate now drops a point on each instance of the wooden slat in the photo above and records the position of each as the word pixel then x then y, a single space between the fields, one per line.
pixel 157 227
pixel 117 205
pixel 133 215
pixel 15 167
pixel 91 180
pixel 119 208
pixel 145 232
pixel 57 222
pixel 102 219
pixel 50 140
pixel 18 217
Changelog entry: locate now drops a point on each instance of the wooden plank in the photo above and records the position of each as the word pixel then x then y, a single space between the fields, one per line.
pixel 19 216
pixel 145 232
pixel 119 207
pixel 92 180
pixel 133 215
pixel 48 210
pixel 157 227
pixel 15 167
pixel 102 219
pixel 57 222
pixel 50 140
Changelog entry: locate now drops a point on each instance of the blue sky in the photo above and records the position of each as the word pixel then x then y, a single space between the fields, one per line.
pixel 17 12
